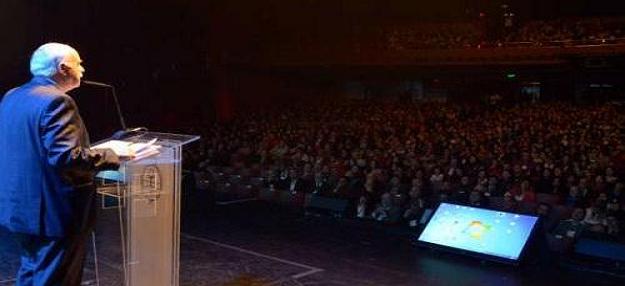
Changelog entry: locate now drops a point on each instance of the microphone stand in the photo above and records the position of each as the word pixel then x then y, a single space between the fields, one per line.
pixel 125 131
pixel 115 100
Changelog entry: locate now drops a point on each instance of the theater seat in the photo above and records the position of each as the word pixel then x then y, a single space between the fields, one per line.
pixel 323 205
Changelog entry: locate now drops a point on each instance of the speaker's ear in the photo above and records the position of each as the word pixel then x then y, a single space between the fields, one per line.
pixel 63 68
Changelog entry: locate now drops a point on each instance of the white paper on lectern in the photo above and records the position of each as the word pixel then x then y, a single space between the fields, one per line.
pixel 129 149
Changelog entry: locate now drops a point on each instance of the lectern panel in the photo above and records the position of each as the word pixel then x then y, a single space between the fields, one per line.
pixel 142 204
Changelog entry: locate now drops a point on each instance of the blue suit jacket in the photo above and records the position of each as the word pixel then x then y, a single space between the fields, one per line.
pixel 46 167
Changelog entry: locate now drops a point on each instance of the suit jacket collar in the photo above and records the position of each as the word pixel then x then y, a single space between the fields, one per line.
pixel 42 80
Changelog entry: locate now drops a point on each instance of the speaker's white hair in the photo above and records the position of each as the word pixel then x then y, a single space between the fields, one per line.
pixel 46 59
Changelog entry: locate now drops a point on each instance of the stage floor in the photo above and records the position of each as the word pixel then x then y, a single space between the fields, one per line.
pixel 256 243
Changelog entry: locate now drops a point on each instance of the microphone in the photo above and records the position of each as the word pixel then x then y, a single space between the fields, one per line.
pixel 96 83
pixel 112 88
pixel 125 133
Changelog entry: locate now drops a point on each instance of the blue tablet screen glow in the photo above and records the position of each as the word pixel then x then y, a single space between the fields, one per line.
pixel 488 232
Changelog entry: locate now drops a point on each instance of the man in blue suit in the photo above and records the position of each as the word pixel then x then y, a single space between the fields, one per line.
pixel 47 195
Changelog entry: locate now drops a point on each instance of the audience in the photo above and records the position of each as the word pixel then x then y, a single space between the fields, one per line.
pixel 537 33
pixel 434 36
pixel 569 32
pixel 391 161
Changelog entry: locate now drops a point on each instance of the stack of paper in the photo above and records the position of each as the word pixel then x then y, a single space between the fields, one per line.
pixel 129 150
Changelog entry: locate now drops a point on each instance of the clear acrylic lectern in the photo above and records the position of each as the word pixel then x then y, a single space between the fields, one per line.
pixel 137 236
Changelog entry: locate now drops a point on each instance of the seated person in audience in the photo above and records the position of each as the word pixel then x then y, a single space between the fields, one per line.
pixel 583 188
pixel 539 247
pixel 524 193
pixel 476 199
pixel 595 218
pixel 413 212
pixel 383 209
pixel 509 203
pixel 547 220
pixel 618 193
pixel 506 181
pixel 299 184
pixel 599 185
pixel 284 179
pixel 614 209
pixel 557 188
pixel 436 180
pixel 355 185
pixel 322 184
pixel 271 179
pixel 492 188
pixel 613 227
pixel 361 208
pixel 602 200
pixel 461 194
pixel 573 197
pixel 443 197
pixel 610 178
pixel 340 190
pixel 415 193
pixel 395 212
pixel 544 184
pixel 568 231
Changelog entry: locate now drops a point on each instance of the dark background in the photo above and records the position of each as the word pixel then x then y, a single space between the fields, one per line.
pixel 175 63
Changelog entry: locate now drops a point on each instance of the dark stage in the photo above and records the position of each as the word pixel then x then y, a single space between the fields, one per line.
pixel 256 243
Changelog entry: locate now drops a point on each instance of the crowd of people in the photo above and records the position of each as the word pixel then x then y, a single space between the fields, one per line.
pixel 572 32
pixel 435 36
pixel 460 35
pixel 392 161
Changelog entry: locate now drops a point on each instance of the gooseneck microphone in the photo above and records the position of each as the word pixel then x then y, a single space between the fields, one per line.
pixel 96 83
pixel 112 88
pixel 125 132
